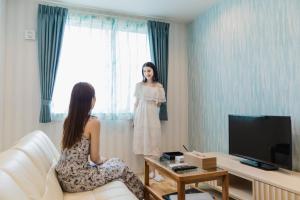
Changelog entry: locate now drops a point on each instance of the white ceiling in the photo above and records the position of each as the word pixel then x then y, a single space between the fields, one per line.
pixel 175 10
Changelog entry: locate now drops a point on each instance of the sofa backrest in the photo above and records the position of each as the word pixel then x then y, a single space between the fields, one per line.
pixel 25 169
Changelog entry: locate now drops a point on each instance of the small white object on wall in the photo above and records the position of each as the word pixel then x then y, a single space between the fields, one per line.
pixel 29 35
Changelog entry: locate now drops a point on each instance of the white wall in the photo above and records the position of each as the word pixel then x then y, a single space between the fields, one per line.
pixel 2 58
pixel 22 95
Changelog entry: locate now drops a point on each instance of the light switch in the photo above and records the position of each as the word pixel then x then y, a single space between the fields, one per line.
pixel 29 35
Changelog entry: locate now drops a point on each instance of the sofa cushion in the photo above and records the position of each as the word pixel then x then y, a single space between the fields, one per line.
pixel 9 188
pixel 115 190
pixel 23 171
pixel 52 188
pixel 39 148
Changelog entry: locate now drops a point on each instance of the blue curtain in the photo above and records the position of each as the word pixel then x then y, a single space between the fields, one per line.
pixel 158 33
pixel 51 22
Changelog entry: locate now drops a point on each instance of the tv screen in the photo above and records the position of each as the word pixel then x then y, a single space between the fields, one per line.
pixel 264 138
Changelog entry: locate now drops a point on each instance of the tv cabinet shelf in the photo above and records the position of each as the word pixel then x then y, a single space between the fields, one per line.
pixel 239 188
pixel 246 182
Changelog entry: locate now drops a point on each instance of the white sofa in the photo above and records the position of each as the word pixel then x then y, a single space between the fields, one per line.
pixel 27 172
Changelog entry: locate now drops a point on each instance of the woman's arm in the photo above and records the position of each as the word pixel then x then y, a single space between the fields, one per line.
pixel 94 126
pixel 159 86
pixel 137 96
pixel 135 105
pixel 134 111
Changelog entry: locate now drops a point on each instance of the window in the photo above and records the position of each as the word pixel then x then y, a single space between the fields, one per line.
pixel 106 52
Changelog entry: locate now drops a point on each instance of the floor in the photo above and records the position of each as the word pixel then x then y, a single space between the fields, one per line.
pixel 167 183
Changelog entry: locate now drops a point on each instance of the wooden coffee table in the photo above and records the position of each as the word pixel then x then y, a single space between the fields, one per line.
pixel 182 178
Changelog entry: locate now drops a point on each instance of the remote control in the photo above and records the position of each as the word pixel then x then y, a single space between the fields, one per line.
pixel 183 167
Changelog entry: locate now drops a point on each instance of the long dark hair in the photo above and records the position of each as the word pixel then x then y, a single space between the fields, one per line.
pixel 79 113
pixel 153 67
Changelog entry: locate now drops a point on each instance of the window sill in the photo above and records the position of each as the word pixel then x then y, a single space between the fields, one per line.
pixel 58 117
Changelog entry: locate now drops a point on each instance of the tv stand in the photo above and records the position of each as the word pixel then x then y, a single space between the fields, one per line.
pixel 260 165
pixel 251 183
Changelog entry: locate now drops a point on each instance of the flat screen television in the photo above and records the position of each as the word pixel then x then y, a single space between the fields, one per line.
pixel 264 141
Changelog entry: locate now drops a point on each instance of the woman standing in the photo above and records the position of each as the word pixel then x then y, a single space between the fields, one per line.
pixel 147 129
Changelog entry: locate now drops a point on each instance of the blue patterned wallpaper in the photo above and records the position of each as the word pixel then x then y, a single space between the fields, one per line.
pixel 244 58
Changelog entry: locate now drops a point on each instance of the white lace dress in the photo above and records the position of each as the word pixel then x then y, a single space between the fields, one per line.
pixel 147 128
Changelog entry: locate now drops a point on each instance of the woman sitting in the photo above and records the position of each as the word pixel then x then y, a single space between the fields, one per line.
pixel 81 134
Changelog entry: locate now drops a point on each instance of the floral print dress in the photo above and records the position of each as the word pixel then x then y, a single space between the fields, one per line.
pixel 76 174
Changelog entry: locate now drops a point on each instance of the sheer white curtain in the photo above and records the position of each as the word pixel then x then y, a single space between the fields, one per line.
pixel 106 52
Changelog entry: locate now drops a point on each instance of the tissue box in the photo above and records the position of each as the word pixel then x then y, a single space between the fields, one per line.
pixel 201 160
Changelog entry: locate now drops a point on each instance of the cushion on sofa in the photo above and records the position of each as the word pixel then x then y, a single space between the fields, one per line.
pixel 39 148
pixel 52 187
pixel 28 163
pixel 23 171
pixel 9 188
pixel 115 190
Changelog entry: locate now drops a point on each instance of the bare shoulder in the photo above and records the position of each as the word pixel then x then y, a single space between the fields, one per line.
pixel 139 83
pixel 159 85
pixel 92 123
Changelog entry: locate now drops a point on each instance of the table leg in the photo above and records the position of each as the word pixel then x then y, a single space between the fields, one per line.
pixel 146 181
pixel 225 187
pixel 181 190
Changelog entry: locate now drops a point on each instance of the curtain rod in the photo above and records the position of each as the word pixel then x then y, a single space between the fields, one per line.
pixel 100 12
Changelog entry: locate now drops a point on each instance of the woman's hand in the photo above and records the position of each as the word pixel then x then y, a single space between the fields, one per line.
pixel 103 159
pixel 157 103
